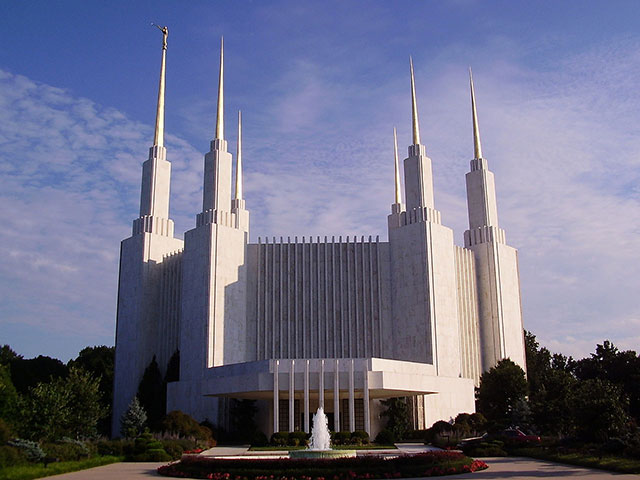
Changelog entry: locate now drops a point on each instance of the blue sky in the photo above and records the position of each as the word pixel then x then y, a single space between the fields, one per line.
pixel 321 86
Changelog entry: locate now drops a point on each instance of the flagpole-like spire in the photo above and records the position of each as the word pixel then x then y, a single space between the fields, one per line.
pixel 477 148
pixel 414 107
pixel 397 167
pixel 220 115
pixel 238 195
pixel 158 139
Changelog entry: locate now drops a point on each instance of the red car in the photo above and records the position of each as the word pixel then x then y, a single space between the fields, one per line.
pixel 515 435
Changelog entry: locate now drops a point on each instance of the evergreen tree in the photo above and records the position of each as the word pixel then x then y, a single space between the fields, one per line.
pixel 134 419
pixel 173 368
pixel 152 394
pixel 397 414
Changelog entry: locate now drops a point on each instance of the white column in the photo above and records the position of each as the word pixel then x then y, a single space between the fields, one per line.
pixel 321 387
pixel 336 397
pixel 291 395
pixel 367 420
pixel 306 396
pixel 352 408
pixel 276 422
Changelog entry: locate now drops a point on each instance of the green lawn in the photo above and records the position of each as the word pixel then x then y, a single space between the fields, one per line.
pixel 605 462
pixel 27 472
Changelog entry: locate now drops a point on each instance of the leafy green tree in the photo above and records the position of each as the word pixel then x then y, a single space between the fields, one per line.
pixel 27 373
pixel 550 403
pixel 84 404
pixel 397 413
pixel 598 410
pixel 44 412
pixel 99 361
pixel 500 389
pixel 7 355
pixel 133 420
pixel 8 396
pixel 152 394
pixel 620 368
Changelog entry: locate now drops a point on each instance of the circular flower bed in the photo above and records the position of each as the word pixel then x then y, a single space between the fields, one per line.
pixel 364 467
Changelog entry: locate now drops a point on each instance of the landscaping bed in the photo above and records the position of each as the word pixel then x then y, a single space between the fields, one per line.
pixel 405 466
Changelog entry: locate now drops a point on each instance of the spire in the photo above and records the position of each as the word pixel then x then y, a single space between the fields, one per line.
pixel 239 160
pixel 477 148
pixel 414 107
pixel 397 168
pixel 158 139
pixel 220 115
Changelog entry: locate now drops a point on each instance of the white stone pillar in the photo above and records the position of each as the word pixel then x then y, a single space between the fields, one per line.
pixel 306 396
pixel 276 404
pixel 291 395
pixel 352 407
pixel 336 397
pixel 321 387
pixel 365 386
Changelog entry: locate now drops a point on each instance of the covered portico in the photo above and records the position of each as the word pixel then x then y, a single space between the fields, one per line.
pixel 345 387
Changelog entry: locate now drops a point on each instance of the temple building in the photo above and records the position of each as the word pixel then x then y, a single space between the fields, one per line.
pixel 299 323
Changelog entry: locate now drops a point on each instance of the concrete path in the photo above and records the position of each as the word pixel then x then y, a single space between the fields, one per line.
pixel 499 468
pixel 529 469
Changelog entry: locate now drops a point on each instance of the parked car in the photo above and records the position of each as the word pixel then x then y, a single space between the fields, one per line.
pixel 516 436
pixel 468 442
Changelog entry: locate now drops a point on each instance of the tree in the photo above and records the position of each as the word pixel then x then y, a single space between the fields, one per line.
pixel 598 410
pixel 84 403
pixel 99 361
pixel 27 373
pixel 8 396
pixel 550 403
pixel 397 414
pixel 134 419
pixel 243 422
pixel 152 394
pixel 500 389
pixel 173 368
pixel 44 412
pixel 7 355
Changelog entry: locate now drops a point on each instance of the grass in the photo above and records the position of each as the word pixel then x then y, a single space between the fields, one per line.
pixel 271 448
pixel 27 472
pixel 605 462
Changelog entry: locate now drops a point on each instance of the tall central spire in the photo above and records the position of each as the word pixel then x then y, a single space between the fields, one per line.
pixel 220 116
pixel 397 167
pixel 477 148
pixel 158 139
pixel 414 107
pixel 238 195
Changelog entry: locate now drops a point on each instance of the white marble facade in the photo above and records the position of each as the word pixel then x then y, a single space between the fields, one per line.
pixel 296 323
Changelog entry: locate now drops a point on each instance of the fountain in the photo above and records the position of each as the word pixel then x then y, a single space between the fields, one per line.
pixel 320 443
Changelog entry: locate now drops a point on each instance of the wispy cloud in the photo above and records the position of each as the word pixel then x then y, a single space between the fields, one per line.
pixel 563 144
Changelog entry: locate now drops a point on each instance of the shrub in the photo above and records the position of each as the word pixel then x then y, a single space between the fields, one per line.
pixel 65 451
pixel 385 437
pixel 11 456
pixel 341 438
pixel 415 434
pixel 153 455
pixel 6 432
pixel 183 425
pixel 173 448
pixel 259 440
pixel 32 450
pixel 486 449
pixel 113 447
pixel 297 438
pixel 360 437
pixel 279 439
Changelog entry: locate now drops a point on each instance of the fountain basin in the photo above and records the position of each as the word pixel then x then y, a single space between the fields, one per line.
pixel 322 453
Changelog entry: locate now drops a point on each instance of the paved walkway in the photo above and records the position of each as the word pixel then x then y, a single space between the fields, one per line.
pixel 499 468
